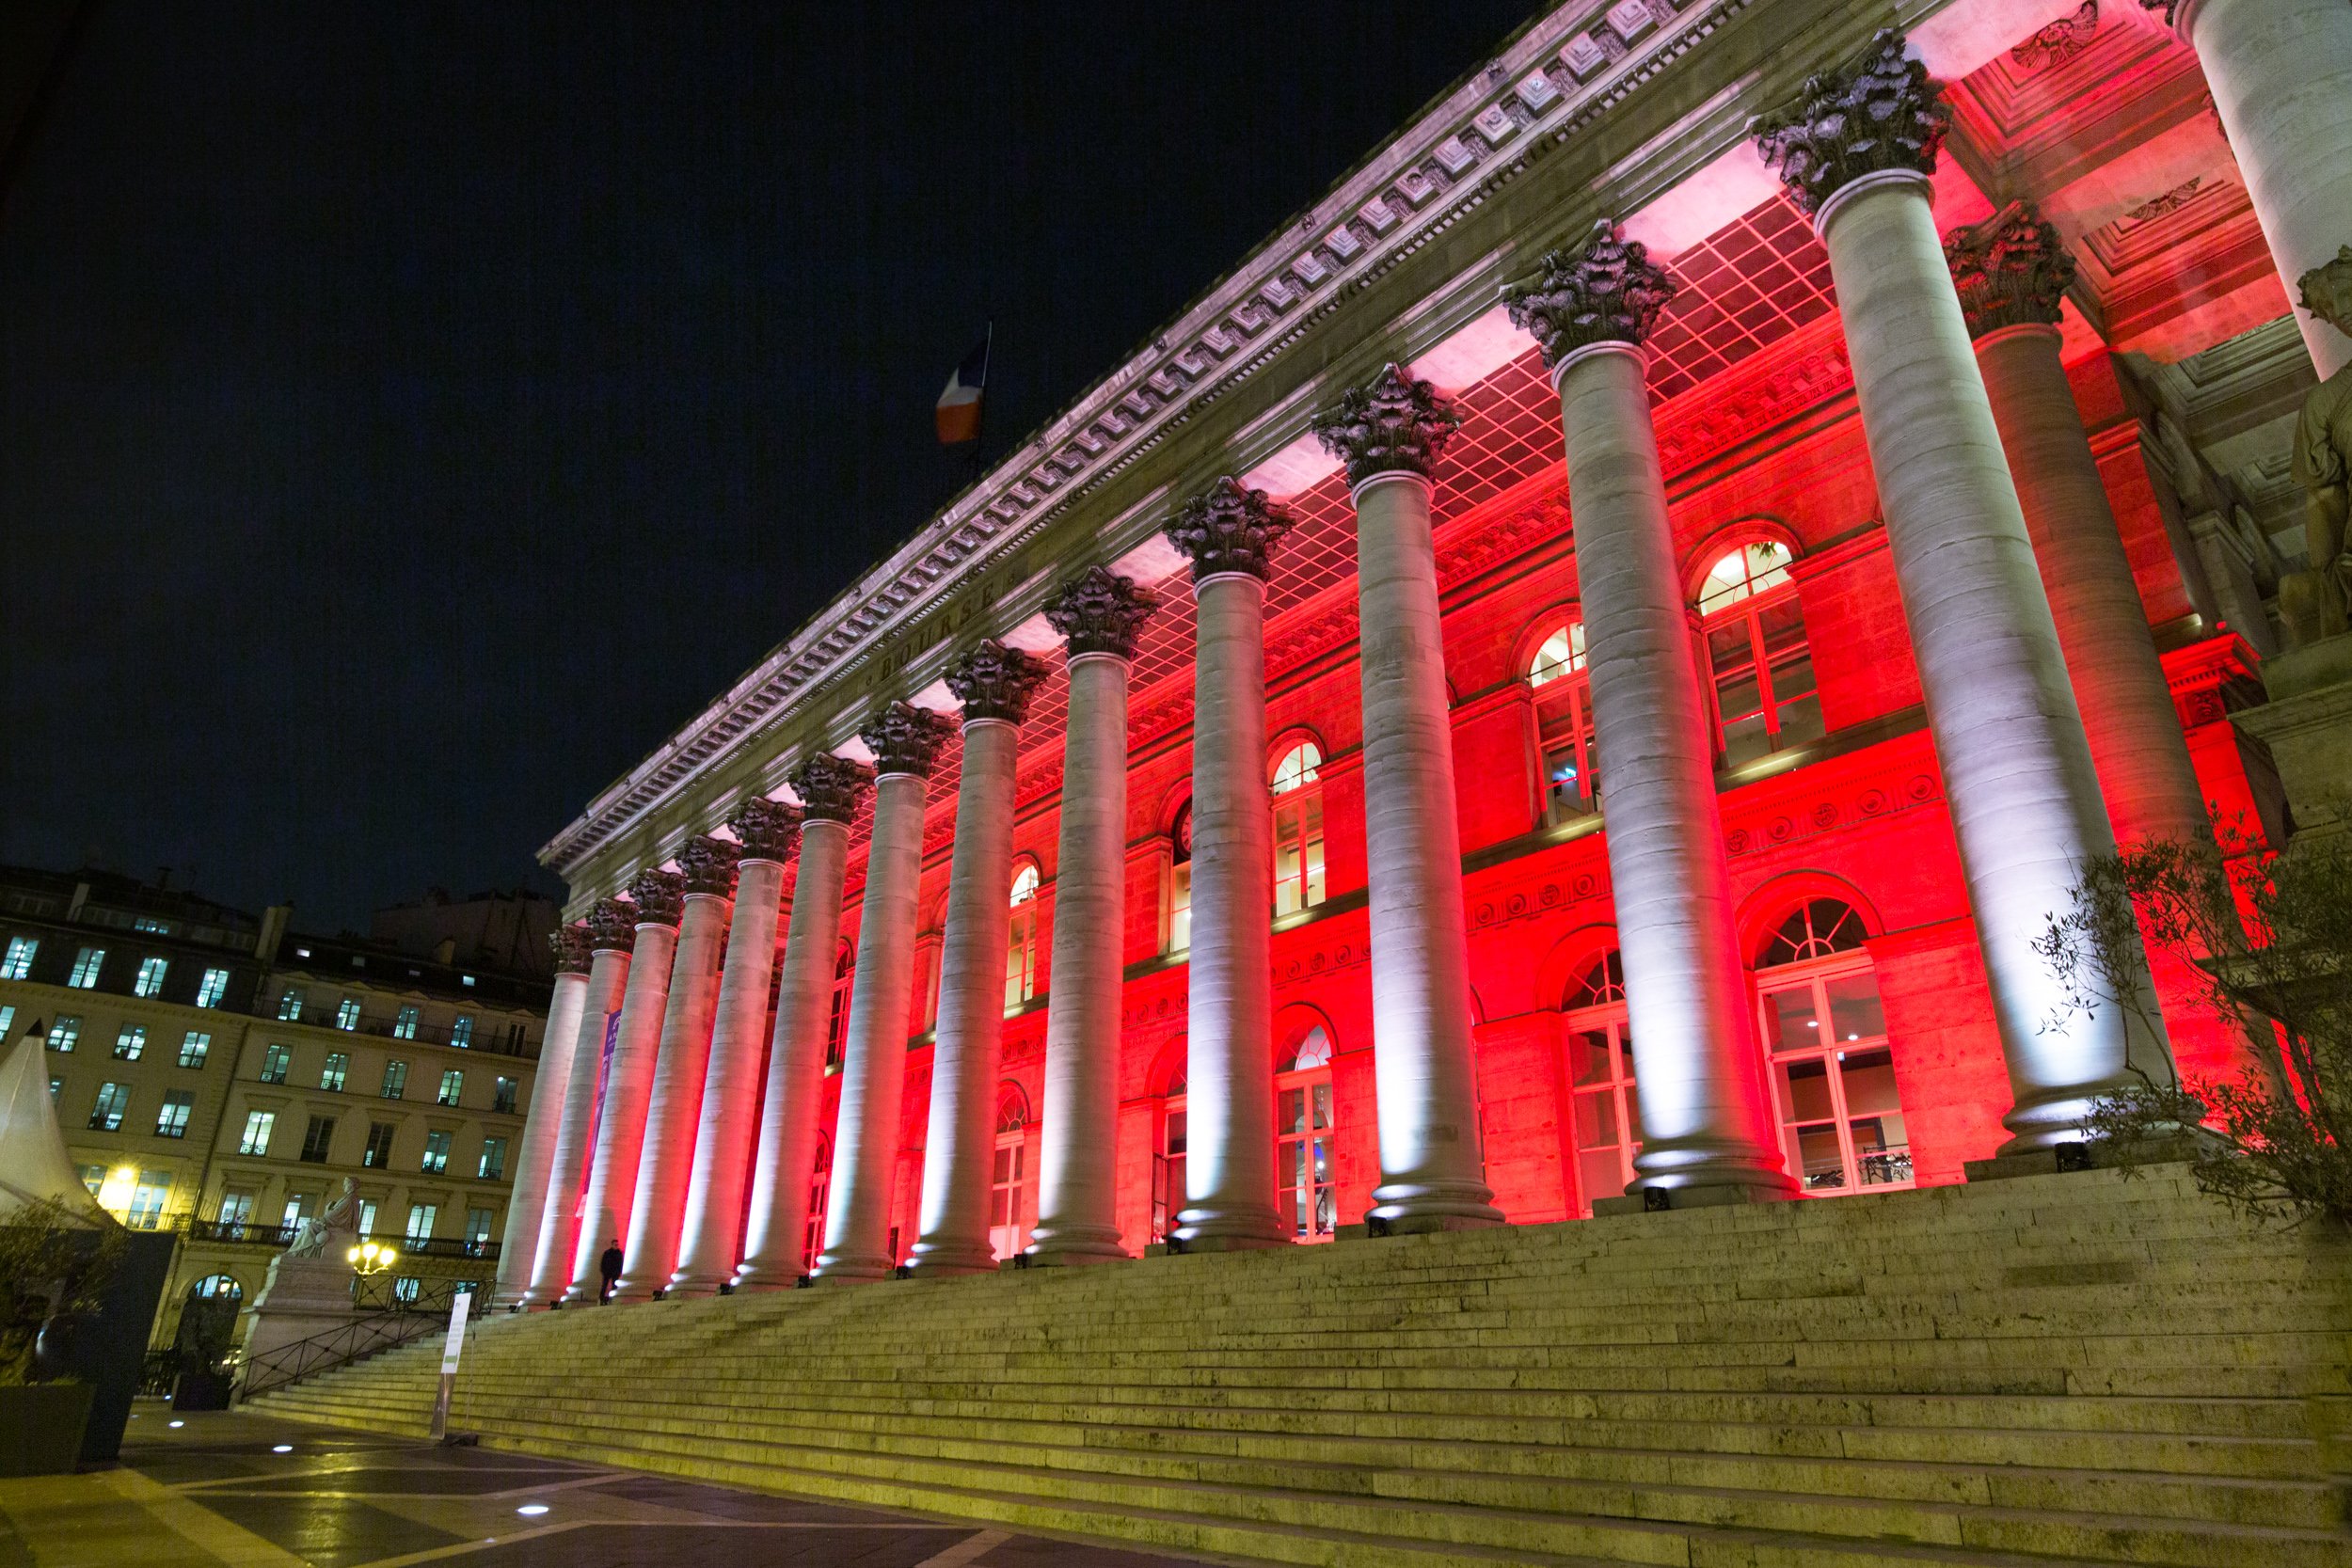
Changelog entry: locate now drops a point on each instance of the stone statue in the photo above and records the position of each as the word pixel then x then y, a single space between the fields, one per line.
pixel 333 1229
pixel 2314 602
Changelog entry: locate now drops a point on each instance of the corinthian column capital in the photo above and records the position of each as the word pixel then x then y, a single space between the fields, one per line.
pixel 2012 270
pixel 659 897
pixel 613 926
pixel 906 738
pixel 1609 291
pixel 707 865
pixel 1230 529
pixel 1882 114
pixel 1395 425
pixel 993 681
pixel 830 787
pixel 767 830
pixel 569 946
pixel 1097 611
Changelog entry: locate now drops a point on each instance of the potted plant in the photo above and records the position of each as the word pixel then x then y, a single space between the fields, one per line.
pixel 52 1270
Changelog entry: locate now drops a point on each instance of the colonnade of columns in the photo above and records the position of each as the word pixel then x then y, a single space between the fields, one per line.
pixel 2039 676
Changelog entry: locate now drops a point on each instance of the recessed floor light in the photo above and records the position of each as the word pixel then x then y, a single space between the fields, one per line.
pixel 532 1510
pixel 178 1423
pixel 284 1447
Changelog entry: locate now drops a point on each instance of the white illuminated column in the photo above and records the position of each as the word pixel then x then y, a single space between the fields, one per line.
pixel 1228 1170
pixel 2281 72
pixel 906 742
pixel 1708 1129
pixel 551 1082
pixel 612 936
pixel 765 832
pixel 1099 616
pixel 659 897
pixel 2022 793
pixel 994 684
pixel 673 1115
pixel 1424 1062
pixel 775 1237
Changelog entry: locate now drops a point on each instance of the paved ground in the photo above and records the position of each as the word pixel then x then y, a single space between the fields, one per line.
pixel 238 1490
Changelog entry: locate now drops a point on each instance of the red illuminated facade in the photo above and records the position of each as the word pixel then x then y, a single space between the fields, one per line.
pixel 1866 1011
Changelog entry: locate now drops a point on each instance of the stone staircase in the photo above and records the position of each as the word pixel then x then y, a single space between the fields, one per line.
pixel 2079 1368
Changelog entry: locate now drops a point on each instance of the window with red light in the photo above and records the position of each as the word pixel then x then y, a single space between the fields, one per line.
pixel 1756 653
pixel 1010 1177
pixel 1603 1108
pixel 1302 1138
pixel 1167 1161
pixel 1021 960
pixel 813 1228
pixel 837 1026
pixel 1832 1070
pixel 1564 718
pixel 1180 882
pixel 1297 789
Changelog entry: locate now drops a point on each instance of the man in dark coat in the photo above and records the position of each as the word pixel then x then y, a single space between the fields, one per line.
pixel 610 1267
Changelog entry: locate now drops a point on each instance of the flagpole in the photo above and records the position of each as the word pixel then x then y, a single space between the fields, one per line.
pixel 980 427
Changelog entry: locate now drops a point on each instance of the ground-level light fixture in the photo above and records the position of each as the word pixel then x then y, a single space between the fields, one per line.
pixel 532 1510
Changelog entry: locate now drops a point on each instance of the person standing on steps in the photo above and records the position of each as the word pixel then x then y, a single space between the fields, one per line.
pixel 608 1267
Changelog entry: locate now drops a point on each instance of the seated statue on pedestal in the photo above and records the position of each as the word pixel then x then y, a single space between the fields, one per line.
pixel 2314 602
pixel 334 1227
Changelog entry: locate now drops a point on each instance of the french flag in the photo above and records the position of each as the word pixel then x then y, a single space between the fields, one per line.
pixel 958 415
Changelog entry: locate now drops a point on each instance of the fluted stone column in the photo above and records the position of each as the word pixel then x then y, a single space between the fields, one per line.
pixel 611 937
pixel 674 1114
pixel 1709 1130
pixel 661 898
pixel 2023 794
pixel 1229 1171
pixel 1099 616
pixel 2011 272
pixel 994 684
pixel 2281 72
pixel 550 1082
pixel 1424 1063
pixel 906 742
pixel 830 788
pixel 765 832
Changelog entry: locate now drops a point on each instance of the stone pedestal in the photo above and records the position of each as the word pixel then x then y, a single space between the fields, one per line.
pixel 2308 726
pixel 301 1296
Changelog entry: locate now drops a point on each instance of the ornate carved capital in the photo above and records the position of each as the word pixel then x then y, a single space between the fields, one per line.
pixel 1609 291
pixel 1230 529
pixel 659 897
pixel 2170 7
pixel 569 946
pixel 993 681
pixel 613 926
pixel 906 740
pixel 2012 270
pixel 2326 290
pixel 1882 112
pixel 767 830
pixel 1395 425
pixel 707 865
pixel 830 787
pixel 1097 611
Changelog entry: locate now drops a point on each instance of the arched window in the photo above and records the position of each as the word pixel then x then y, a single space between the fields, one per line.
pixel 1167 1161
pixel 819 1188
pixel 1180 882
pixel 217 1286
pixel 1832 1070
pixel 1761 664
pixel 1021 960
pixel 837 1027
pixel 1302 1138
pixel 1009 1179
pixel 1563 716
pixel 1605 1112
pixel 1298 830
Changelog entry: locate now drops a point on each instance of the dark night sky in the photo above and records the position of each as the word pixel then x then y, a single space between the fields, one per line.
pixel 409 415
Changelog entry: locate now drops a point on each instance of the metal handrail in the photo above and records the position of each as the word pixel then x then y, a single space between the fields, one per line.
pixel 336 1347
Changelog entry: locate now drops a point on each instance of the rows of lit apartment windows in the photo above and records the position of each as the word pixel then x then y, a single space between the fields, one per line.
pixel 90 961
pixel 236 1212
pixel 65 1033
pixel 318 1136
pixel 277 1063
pixel 405 1022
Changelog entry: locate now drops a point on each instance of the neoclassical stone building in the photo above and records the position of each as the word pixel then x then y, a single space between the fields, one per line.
pixel 1572 679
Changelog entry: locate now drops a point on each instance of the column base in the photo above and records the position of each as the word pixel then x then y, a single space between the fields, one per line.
pixel 696 1285
pixel 1722 1195
pixel 1068 1257
pixel 946 1259
pixel 1227 1230
pixel 851 1269
pixel 1410 1208
pixel 1059 1246
pixel 752 1275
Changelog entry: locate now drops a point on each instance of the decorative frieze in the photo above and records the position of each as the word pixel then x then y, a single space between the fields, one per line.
pixel 707 865
pixel 1607 292
pixel 2012 270
pixel 1097 611
pixel 659 897
pixel 1882 112
pixel 1230 529
pixel 569 946
pixel 906 740
pixel 767 830
pixel 612 926
pixel 1395 425
pixel 830 787
pixel 2061 41
pixel 994 682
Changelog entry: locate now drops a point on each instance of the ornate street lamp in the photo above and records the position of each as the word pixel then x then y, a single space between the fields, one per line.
pixel 370 1259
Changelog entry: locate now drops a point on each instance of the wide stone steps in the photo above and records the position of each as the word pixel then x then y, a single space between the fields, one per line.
pixel 2081 1369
